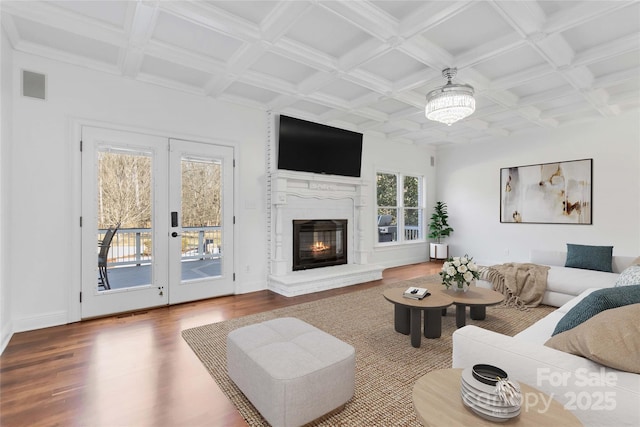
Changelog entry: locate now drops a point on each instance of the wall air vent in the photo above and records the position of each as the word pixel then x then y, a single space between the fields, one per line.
pixel 34 85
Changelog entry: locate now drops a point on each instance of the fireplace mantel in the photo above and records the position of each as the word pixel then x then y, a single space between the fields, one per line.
pixel 301 195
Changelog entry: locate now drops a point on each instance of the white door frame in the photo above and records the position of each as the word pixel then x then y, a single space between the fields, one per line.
pixel 74 134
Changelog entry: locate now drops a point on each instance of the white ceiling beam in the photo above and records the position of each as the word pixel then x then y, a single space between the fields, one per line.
pixel 579 77
pixel 488 50
pixel 372 114
pixel 555 50
pixel 522 77
pixel 362 54
pixel 423 50
pixel 431 15
pixel 275 25
pixel 168 83
pixel 316 81
pixel 140 30
pixel 245 57
pixel 546 95
pixel 616 78
pixel 526 17
pixel 184 58
pixel 217 84
pixel 304 54
pixel 208 16
pixel 10 29
pixel 66 57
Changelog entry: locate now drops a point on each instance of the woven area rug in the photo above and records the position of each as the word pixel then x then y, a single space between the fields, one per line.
pixel 387 365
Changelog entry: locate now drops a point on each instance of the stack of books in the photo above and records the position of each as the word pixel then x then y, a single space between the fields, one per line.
pixel 415 293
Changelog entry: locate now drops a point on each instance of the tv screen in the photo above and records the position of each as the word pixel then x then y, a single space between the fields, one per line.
pixel 311 147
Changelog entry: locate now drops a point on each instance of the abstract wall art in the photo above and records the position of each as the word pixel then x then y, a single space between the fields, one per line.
pixel 547 193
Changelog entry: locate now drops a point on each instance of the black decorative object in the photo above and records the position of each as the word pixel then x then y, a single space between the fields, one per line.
pixel 488 374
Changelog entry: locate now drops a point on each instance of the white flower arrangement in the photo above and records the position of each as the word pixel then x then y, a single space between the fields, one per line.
pixel 459 272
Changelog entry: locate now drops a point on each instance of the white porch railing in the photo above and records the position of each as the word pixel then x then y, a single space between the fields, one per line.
pixel 133 246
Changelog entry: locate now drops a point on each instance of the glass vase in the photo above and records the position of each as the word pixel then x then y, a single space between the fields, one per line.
pixel 461 286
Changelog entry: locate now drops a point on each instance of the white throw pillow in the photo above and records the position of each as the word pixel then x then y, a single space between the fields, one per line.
pixel 630 276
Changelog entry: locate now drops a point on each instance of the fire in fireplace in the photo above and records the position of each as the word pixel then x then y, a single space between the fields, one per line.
pixel 319 243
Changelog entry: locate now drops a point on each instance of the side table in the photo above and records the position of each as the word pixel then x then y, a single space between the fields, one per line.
pixel 437 401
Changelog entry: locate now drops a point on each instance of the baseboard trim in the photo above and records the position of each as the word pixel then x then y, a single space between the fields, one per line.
pixel 7 333
pixel 46 320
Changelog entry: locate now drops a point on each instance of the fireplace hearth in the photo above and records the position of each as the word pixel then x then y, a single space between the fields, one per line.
pixel 319 243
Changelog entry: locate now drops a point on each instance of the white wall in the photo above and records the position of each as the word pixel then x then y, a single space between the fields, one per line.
pixel 44 204
pixel 6 83
pixel 43 199
pixel 468 180
pixel 382 156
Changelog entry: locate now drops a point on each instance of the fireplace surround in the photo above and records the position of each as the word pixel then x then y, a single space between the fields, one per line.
pixel 308 196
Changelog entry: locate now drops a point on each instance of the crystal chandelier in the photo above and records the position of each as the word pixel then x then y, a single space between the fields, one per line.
pixel 451 102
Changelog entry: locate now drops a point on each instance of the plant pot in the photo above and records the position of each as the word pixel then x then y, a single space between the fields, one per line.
pixel 438 251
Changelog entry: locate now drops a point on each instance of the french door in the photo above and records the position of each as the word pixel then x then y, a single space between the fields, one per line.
pixel 157 221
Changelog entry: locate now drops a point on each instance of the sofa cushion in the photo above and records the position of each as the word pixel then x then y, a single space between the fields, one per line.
pixel 589 257
pixel 630 276
pixel 611 338
pixel 596 302
pixel 573 281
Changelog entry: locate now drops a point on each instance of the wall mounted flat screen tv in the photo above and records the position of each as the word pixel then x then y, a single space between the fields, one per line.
pixel 311 147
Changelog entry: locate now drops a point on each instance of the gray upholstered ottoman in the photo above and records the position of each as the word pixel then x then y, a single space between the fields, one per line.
pixel 292 372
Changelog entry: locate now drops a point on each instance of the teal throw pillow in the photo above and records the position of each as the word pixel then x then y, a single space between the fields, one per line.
pixel 589 257
pixel 630 276
pixel 596 302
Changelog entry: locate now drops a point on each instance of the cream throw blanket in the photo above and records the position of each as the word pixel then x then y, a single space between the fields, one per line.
pixel 522 284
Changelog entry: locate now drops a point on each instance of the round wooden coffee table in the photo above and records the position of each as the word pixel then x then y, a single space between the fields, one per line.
pixel 437 401
pixel 477 299
pixel 408 313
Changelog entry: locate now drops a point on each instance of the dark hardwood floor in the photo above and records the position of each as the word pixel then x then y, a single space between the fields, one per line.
pixel 134 369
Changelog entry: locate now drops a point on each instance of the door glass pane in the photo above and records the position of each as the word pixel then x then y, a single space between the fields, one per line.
pixel 124 219
pixel 201 218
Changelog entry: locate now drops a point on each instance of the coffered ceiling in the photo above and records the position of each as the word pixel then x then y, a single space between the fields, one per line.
pixel 360 65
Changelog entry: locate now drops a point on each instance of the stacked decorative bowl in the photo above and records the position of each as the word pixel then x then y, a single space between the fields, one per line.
pixel 480 394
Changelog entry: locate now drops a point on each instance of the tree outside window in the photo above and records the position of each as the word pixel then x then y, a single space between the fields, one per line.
pixel 400 207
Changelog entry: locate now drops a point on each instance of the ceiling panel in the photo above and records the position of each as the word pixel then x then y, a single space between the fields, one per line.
pixel 479 22
pixel 114 12
pixel 323 30
pixel 54 39
pixel 282 68
pixel 172 71
pixel 364 65
pixel 393 65
pixel 252 11
pixel 604 29
pixel 195 38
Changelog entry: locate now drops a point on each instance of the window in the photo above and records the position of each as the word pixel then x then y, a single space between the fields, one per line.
pixel 400 207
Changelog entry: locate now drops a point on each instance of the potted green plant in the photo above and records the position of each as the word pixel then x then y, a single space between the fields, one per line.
pixel 438 229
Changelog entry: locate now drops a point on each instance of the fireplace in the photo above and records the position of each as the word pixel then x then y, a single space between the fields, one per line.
pixel 319 243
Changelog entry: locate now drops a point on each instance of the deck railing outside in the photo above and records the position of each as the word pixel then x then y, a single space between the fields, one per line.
pixel 132 246
pixel 411 232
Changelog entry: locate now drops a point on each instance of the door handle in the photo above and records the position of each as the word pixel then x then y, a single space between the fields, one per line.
pixel 175 234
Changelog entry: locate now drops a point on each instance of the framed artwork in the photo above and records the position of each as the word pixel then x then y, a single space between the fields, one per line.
pixel 547 193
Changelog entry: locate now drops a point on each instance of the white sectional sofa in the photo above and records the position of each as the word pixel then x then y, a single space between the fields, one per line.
pixel 565 283
pixel 597 395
